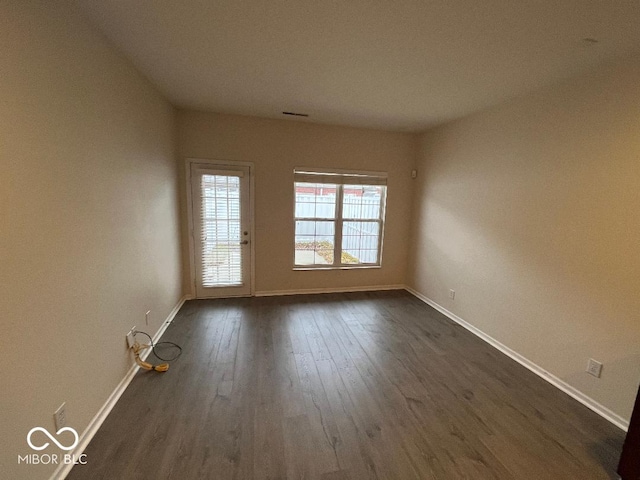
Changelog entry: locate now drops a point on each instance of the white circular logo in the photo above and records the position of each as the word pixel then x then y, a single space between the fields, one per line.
pixel 52 438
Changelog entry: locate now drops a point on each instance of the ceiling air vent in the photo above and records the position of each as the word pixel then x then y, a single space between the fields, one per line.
pixel 294 114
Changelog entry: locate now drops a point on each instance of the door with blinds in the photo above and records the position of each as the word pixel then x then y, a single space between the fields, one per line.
pixel 221 230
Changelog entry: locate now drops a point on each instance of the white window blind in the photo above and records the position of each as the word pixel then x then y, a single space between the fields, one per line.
pixel 340 177
pixel 220 230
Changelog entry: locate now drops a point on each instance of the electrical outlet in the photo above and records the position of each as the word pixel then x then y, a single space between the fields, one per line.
pixel 131 337
pixel 452 294
pixel 146 317
pixel 60 416
pixel 594 368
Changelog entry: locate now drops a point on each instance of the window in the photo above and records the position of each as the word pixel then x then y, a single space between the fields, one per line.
pixel 339 219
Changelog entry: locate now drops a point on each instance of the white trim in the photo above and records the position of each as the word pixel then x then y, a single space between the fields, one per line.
pixel 252 215
pixel 96 422
pixel 338 227
pixel 318 266
pixel 191 241
pixel 573 392
pixel 311 291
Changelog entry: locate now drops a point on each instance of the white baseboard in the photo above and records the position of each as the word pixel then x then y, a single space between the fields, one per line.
pixel 63 469
pixel 573 392
pixel 309 291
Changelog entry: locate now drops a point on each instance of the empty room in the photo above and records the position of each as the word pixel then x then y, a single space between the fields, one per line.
pixel 320 240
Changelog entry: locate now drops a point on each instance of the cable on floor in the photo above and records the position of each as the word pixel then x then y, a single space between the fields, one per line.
pixel 163 367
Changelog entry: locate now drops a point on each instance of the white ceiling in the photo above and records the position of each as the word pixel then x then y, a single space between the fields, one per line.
pixel 399 65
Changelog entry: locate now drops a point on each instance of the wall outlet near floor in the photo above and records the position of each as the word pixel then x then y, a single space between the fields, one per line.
pixel 594 368
pixel 131 337
pixel 452 294
pixel 60 416
pixel 146 317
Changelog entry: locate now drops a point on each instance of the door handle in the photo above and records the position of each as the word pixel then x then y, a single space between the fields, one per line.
pixel 244 242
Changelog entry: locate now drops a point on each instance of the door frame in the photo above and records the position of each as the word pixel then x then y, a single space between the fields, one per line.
pixel 213 163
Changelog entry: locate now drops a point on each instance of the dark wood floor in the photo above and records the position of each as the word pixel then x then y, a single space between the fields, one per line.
pixel 343 386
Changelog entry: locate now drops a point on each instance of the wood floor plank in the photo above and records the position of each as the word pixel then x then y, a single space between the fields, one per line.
pixel 269 461
pixel 367 385
pixel 354 451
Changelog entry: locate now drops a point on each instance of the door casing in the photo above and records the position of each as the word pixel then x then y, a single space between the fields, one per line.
pixel 213 163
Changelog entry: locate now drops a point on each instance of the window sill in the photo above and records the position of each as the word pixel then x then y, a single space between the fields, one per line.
pixel 307 268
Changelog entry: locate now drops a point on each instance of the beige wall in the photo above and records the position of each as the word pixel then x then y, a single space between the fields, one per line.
pixel 89 236
pixel 531 212
pixel 276 147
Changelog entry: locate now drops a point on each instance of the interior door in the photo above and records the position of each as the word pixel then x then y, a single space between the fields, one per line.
pixel 220 197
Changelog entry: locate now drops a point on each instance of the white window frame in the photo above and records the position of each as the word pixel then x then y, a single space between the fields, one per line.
pixel 341 178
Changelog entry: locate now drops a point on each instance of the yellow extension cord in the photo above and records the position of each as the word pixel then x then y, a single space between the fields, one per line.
pixel 137 348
